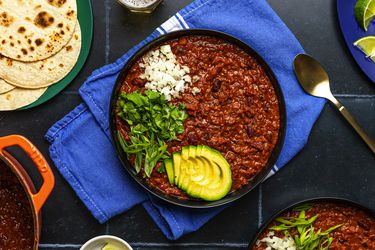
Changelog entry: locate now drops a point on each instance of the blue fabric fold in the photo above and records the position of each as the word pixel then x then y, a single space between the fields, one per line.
pixel 106 190
pixel 81 146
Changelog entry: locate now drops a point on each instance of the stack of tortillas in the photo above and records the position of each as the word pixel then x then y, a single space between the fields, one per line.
pixel 40 41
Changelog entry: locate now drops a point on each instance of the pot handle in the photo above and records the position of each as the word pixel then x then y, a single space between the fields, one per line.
pixel 44 169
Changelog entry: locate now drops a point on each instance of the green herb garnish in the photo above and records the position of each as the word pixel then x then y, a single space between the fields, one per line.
pixel 303 232
pixel 152 121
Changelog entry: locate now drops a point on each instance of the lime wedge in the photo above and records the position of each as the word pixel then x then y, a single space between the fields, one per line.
pixel 109 246
pixel 367 45
pixel 364 12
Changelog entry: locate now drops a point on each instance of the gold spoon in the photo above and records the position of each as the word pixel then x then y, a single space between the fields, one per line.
pixel 314 80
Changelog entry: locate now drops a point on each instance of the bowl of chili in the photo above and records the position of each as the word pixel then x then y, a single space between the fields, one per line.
pixel 319 223
pixel 20 203
pixel 233 101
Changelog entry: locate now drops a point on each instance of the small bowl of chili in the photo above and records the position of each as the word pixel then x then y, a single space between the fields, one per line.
pixel 320 223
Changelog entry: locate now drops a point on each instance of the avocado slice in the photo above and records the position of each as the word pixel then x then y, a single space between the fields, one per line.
pixel 189 171
pixel 195 187
pixel 214 172
pixel 191 167
pixel 207 172
pixel 176 166
pixel 199 149
pixel 192 151
pixel 202 172
pixel 168 163
pixel 184 163
pixel 216 189
pixel 180 169
pixel 186 152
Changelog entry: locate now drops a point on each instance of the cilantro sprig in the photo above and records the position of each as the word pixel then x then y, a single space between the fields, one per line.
pixel 306 236
pixel 152 121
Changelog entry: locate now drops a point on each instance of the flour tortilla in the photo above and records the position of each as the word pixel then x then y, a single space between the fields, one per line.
pixel 5 87
pixel 43 73
pixel 33 30
pixel 18 98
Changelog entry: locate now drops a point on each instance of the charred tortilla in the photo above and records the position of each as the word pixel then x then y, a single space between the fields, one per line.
pixel 45 72
pixel 33 30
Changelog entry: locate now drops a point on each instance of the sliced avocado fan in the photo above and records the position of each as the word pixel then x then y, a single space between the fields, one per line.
pixel 200 171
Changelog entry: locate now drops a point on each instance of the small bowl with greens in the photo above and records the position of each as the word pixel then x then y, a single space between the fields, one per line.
pixel 318 224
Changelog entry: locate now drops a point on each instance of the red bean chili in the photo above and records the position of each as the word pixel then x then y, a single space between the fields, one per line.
pixel 16 220
pixel 357 230
pixel 236 112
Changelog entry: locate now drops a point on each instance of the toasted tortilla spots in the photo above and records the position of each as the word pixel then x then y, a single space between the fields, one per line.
pixel 45 72
pixel 35 30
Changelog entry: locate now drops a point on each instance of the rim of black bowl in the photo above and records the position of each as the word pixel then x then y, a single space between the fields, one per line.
pixel 192 203
pixel 328 199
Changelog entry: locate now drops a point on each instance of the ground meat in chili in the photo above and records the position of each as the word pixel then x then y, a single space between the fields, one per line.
pixel 16 220
pixel 236 111
pixel 357 230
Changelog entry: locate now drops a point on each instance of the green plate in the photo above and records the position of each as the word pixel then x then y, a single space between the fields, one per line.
pixel 85 19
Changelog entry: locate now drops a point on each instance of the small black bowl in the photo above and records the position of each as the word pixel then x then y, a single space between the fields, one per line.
pixel 310 201
pixel 198 203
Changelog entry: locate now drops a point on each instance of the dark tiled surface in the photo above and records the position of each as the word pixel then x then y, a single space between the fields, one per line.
pixel 335 162
pixel 215 231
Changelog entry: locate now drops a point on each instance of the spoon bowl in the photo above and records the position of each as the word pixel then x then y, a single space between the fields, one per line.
pixel 312 76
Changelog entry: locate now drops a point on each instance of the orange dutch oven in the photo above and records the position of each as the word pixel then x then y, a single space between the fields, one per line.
pixel 36 198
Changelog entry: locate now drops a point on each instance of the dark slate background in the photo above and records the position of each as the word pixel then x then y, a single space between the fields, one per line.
pixel 335 162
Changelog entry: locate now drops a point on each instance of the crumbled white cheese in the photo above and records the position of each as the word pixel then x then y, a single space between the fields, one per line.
pixel 195 78
pixel 166 49
pixel 195 90
pixel 164 74
pixel 276 243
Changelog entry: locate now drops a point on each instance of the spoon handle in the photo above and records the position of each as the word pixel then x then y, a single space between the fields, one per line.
pixel 370 142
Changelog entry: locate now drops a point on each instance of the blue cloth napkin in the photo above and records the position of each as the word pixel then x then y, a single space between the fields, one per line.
pixel 80 143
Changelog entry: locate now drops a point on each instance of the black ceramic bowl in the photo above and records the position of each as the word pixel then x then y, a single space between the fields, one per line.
pixel 198 203
pixel 350 203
